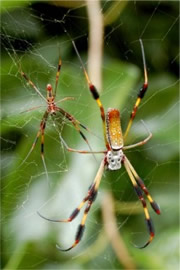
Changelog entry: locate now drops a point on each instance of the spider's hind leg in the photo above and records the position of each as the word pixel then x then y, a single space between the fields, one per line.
pixel 141 184
pixel 90 198
pixel 141 198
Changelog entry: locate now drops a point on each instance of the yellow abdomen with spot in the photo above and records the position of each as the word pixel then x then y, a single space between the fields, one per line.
pixel 114 132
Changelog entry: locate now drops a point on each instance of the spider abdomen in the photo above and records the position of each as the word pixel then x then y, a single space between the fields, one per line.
pixel 114 132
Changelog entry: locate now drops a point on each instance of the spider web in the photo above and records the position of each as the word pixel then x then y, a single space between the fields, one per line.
pixel 33 36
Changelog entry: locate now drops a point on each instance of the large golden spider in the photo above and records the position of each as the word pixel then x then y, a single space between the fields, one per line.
pixel 114 158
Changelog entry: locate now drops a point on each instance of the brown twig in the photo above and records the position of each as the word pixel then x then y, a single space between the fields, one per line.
pixel 96 32
pixel 113 233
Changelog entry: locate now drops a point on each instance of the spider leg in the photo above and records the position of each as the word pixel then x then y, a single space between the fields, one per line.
pixel 80 151
pixel 80 229
pixel 42 127
pixel 34 108
pixel 73 214
pixel 141 184
pixel 32 148
pixel 64 99
pixel 76 124
pixel 95 95
pixel 74 121
pixel 91 198
pixel 141 198
pixel 139 143
pixel 33 85
pixel 36 139
pixel 57 76
pixel 141 93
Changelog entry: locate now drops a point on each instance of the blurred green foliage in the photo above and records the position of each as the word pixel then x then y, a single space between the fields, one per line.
pixel 32 35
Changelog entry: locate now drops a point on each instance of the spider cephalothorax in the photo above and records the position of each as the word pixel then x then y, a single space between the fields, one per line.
pixel 114 159
pixel 50 100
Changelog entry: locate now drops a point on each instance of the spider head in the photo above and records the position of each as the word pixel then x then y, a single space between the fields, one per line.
pixel 114 159
pixel 49 87
pixel 49 90
pixel 50 96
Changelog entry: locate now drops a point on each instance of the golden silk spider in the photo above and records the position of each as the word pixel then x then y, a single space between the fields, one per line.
pixel 114 158
pixel 52 109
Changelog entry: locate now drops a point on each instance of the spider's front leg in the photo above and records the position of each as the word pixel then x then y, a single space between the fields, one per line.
pixel 141 93
pixel 91 198
pixel 95 96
